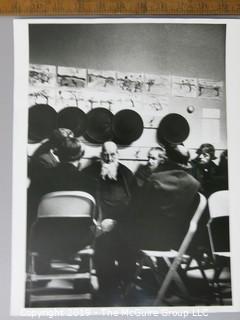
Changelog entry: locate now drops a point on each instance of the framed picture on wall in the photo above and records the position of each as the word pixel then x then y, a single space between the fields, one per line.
pixel 124 139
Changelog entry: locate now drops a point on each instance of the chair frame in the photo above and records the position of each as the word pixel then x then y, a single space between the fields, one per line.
pixel 32 276
pixel 220 259
pixel 177 256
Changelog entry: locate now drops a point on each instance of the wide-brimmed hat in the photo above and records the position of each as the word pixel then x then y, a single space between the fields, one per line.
pixel 127 126
pixel 74 119
pixel 173 128
pixel 42 120
pixel 99 125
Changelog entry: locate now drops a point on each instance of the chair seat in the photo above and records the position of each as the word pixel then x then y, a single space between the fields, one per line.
pixel 160 254
pixel 50 298
pixel 38 277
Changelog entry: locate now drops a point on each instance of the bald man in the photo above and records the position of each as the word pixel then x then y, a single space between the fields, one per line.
pixel 112 184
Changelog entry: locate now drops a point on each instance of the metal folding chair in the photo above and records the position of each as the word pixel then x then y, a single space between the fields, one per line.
pixel 218 230
pixel 60 248
pixel 172 258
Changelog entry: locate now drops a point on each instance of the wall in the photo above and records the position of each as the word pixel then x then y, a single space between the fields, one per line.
pixel 181 50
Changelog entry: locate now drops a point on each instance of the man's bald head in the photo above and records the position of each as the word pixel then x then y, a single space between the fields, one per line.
pixel 109 152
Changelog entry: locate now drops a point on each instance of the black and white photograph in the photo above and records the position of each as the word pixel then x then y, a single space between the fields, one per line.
pixel 125 194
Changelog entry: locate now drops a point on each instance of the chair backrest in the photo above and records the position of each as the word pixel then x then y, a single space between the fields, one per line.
pixel 166 233
pixel 193 224
pixel 67 204
pixel 218 204
pixel 64 223
pixel 218 225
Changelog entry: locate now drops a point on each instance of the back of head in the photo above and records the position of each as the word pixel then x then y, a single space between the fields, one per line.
pixel 179 155
pixel 70 150
pixel 59 135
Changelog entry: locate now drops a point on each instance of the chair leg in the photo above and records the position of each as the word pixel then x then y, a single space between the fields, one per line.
pixel 167 281
pixel 177 279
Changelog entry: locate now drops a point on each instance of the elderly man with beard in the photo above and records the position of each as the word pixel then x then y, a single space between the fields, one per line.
pixel 111 183
pixel 157 160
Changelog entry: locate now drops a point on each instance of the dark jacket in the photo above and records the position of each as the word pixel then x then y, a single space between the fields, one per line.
pixel 113 197
pixel 168 201
pixel 64 177
pixel 206 175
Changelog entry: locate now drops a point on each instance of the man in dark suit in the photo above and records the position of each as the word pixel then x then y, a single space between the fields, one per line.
pixel 45 157
pixel 112 186
pixel 204 169
pixel 67 235
pixel 166 204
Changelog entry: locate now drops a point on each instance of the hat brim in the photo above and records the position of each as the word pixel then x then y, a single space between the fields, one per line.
pixel 74 119
pixel 127 126
pixel 99 125
pixel 173 128
pixel 42 120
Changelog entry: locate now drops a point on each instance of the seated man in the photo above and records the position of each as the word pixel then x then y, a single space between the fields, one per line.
pixel 67 235
pixel 64 175
pixel 166 205
pixel 204 169
pixel 45 157
pixel 112 185
pixel 221 178
pixel 156 159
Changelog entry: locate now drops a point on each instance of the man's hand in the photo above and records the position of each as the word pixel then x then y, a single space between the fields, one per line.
pixel 108 224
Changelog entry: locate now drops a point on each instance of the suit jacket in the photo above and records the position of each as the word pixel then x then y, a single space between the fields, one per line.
pixel 113 197
pixel 167 204
pixel 206 176
pixel 64 177
pixel 41 160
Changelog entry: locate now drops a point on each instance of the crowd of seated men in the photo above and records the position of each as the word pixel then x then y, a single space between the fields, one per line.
pixel 134 210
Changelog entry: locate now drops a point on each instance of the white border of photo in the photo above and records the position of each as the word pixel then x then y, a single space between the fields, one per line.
pixel 21 64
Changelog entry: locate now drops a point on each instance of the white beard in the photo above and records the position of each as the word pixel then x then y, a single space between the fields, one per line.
pixel 109 170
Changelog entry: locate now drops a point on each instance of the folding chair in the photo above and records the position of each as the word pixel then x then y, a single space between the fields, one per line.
pixel 60 249
pixel 218 230
pixel 172 258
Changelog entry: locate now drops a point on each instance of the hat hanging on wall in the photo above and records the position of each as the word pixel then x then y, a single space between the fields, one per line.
pixel 173 129
pixel 74 119
pixel 99 125
pixel 127 126
pixel 42 120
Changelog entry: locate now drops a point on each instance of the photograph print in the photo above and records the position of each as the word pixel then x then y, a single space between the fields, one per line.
pixel 127 195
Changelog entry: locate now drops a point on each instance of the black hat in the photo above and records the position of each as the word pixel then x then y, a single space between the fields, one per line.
pixel 173 128
pixel 127 126
pixel 42 120
pixel 99 125
pixel 74 119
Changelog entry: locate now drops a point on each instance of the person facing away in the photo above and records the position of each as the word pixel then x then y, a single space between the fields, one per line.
pixel 64 176
pixel 167 204
pixel 66 235
pixel 112 185
pixel 204 169
pixel 45 157
pixel 222 172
